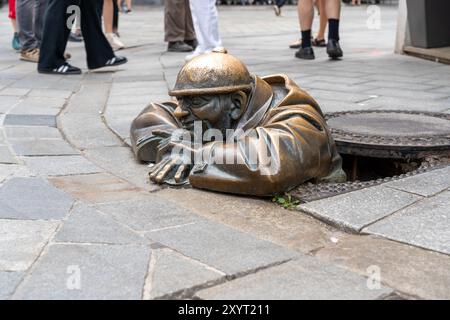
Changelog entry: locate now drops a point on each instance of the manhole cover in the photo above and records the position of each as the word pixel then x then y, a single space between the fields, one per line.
pixel 391 133
pixel 381 146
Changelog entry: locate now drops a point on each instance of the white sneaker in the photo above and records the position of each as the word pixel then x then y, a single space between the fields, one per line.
pixel 114 41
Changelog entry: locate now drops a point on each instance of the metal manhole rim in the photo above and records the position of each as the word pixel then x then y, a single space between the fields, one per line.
pixel 370 141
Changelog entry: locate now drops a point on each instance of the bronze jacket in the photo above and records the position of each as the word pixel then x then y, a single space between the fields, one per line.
pixel 285 132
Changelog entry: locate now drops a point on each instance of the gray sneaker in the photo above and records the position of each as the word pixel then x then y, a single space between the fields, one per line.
pixel 179 46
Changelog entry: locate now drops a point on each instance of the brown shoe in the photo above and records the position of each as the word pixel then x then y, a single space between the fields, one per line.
pixel 31 55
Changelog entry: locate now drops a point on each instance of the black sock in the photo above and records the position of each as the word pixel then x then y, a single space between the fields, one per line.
pixel 333 29
pixel 306 38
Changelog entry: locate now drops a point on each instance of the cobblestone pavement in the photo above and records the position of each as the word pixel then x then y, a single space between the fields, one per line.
pixel 78 218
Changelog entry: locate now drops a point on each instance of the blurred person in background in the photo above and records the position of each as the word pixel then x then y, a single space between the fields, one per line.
pixel 306 16
pixel 57 27
pixel 125 5
pixel 206 25
pixel 110 22
pixel 30 19
pixel 319 40
pixel 15 43
pixel 178 26
pixel 278 5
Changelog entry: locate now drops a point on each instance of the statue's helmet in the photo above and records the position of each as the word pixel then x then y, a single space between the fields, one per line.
pixel 212 73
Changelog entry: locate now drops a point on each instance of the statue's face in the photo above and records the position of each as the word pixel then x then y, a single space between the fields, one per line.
pixel 214 111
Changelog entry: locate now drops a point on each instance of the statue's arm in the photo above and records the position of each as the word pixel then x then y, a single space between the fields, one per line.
pixel 156 117
pixel 293 147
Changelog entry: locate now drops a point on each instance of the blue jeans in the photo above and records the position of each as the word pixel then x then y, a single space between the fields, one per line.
pixel 280 3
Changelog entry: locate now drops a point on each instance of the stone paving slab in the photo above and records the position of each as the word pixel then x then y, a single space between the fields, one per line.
pixel 30 120
pixel 96 188
pixel 412 271
pixel 21 241
pixel 302 279
pixel 32 133
pixel 9 281
pixel 426 184
pixel 174 275
pixel 148 213
pixel 355 210
pixel 32 198
pixel 43 147
pixel 221 247
pixel 6 156
pixel 87 272
pixel 12 170
pixel 61 165
pixel 87 225
pixel 425 224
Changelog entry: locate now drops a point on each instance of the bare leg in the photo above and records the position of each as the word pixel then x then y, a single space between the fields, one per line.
pixel 305 14
pixel 108 13
pixel 128 2
pixel 13 23
pixel 323 20
pixel 332 9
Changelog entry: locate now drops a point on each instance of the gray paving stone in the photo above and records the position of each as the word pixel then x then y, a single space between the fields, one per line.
pixel 87 272
pixel 9 282
pixel 175 273
pixel 12 170
pixel 32 133
pixel 426 184
pixel 30 120
pixel 21 241
pixel 32 198
pixel 304 279
pixel 26 110
pixel 148 213
pixel 61 165
pixel 43 147
pixel 354 210
pixel 11 91
pixel 425 224
pixel 8 102
pixel 221 247
pixel 87 225
pixel 6 156
pixel 393 92
pixel 50 93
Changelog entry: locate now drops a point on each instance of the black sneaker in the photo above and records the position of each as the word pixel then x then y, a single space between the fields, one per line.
pixel 305 53
pixel 64 69
pixel 179 46
pixel 113 62
pixel 192 43
pixel 334 49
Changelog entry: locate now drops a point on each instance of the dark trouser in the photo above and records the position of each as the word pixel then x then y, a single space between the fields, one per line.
pixel 30 19
pixel 281 3
pixel 56 32
pixel 178 24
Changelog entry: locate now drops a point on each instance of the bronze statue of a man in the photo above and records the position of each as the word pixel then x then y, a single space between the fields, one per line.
pixel 268 136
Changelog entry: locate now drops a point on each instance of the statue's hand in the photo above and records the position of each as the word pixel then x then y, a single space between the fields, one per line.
pixel 172 167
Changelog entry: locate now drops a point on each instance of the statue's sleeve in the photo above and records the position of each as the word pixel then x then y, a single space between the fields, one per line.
pixel 294 145
pixel 156 116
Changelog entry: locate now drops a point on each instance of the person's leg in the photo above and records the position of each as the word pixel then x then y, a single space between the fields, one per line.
pixel 116 17
pixel 41 6
pixel 108 21
pixel 12 14
pixel 55 34
pixel 108 14
pixel 333 12
pixel 25 13
pixel 201 23
pixel 215 40
pixel 189 34
pixel 323 20
pixel 174 20
pixel 128 2
pixel 98 50
pixel 306 16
